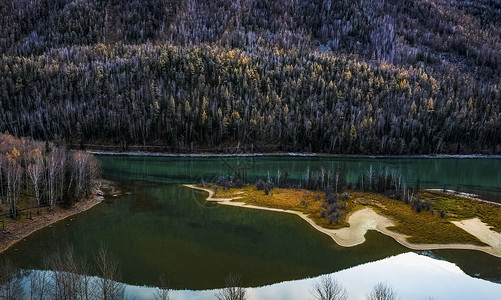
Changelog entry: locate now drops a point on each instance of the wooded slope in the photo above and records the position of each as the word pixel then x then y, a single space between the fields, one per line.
pixel 392 77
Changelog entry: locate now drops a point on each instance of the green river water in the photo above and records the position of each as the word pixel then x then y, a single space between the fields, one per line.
pixel 159 227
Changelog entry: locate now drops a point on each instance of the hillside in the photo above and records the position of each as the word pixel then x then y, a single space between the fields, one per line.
pixel 389 77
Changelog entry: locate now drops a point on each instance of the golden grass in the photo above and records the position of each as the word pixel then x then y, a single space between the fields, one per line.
pixel 277 198
pixel 460 208
pixel 301 200
pixel 422 228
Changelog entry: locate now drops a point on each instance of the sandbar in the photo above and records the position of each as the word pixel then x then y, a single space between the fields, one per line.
pixel 482 231
pixel 367 219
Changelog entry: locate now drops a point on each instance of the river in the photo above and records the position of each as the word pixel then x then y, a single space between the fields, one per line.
pixel 159 227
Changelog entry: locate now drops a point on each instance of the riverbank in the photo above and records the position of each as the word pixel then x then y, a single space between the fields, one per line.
pixel 470 196
pixel 280 154
pixel 17 230
pixel 362 220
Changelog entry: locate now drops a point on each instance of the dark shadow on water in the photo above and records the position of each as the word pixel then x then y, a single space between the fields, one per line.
pixel 474 263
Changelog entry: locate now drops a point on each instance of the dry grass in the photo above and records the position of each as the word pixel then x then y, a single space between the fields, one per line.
pixel 460 208
pixel 277 198
pixel 422 228
pixel 305 201
pixel 425 227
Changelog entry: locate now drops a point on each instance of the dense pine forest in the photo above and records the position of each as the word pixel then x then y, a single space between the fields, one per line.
pixel 365 77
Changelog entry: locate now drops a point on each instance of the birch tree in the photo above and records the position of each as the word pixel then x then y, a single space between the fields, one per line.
pixel 52 165
pixel 3 191
pixel 14 174
pixel 35 172
pixel 80 161
pixel 107 286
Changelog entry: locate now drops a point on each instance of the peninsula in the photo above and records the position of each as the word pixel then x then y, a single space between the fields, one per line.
pixel 426 230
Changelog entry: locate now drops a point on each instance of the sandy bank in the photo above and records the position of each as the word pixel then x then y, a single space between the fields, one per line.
pixel 17 231
pixel 367 219
pixel 482 231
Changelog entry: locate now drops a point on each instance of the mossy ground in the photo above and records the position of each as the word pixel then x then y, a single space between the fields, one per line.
pixel 460 208
pixel 425 227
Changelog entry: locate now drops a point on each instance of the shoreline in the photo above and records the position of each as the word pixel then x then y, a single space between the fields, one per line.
pixel 367 219
pixel 464 195
pixel 285 154
pixel 17 232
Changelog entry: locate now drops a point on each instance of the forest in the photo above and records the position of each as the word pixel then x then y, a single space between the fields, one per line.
pixel 362 77
pixel 36 174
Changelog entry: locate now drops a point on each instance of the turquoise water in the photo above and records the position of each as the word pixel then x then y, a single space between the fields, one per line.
pixel 478 175
pixel 159 227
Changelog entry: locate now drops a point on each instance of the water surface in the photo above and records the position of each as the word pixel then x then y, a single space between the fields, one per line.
pixel 160 227
pixel 477 175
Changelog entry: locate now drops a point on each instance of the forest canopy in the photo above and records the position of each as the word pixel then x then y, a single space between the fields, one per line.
pixel 378 77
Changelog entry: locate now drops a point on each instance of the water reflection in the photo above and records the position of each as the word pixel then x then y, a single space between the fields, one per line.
pixel 159 228
pixel 411 275
pixel 477 175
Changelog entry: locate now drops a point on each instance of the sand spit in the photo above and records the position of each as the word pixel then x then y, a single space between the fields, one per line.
pixel 367 219
pixel 482 231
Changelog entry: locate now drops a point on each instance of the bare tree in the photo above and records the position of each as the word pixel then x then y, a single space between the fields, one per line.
pixel 107 286
pixel 13 176
pixel 337 180
pixel 35 172
pixel 85 171
pixel 10 282
pixel 279 174
pixel 52 165
pixel 86 292
pixel 68 280
pixel 328 288
pixel 322 177
pixel 61 284
pixel 3 167
pixel 163 291
pixel 382 291
pixel 233 290
pixel 62 154
pixel 92 172
pixel 44 172
pixel 39 284
pixel 80 160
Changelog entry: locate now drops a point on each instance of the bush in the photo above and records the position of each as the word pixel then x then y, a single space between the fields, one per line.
pixel 260 185
pixel 266 190
pixel 333 218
